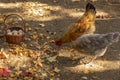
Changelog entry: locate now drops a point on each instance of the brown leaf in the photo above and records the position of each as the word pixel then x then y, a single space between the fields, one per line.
pixel 3 55
pixel 56 70
pixel 52 59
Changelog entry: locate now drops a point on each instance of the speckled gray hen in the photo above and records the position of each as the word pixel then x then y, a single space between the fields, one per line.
pixel 95 44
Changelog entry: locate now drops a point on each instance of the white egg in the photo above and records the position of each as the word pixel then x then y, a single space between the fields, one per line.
pixel 9 33
pixel 15 32
pixel 20 32
pixel 8 30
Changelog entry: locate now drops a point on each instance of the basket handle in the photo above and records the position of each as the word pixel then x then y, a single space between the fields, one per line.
pixel 24 28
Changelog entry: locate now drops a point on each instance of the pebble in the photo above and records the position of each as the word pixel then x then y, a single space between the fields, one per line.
pixel 84 78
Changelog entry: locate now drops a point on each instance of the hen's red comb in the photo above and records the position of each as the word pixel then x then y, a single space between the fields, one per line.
pixel 58 43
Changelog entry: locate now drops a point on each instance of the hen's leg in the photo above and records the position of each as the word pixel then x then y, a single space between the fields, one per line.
pixel 88 59
pixel 98 53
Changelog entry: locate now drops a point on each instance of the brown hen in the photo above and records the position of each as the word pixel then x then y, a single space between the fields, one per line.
pixel 84 25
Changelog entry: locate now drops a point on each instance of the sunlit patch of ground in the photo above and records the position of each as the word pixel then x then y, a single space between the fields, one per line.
pixel 45 12
pixel 11 5
pixel 96 66
pixel 15 60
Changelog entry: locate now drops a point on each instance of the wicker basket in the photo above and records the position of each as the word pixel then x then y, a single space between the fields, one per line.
pixel 14 39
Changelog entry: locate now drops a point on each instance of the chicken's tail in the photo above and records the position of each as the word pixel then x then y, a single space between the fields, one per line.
pixel 90 7
pixel 112 37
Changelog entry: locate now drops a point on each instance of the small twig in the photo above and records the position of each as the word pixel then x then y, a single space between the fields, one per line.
pixel 45 70
pixel 46 43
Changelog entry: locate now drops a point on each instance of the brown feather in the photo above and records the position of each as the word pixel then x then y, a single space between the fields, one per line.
pixel 84 25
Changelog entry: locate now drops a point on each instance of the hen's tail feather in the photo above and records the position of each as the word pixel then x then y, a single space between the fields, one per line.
pixel 113 37
pixel 90 6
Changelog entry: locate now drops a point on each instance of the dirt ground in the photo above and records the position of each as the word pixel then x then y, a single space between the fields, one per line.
pixel 48 19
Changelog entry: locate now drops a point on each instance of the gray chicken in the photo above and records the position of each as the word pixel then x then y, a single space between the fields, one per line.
pixel 95 44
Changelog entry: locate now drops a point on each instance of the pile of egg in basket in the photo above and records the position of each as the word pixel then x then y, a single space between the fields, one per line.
pixel 15 32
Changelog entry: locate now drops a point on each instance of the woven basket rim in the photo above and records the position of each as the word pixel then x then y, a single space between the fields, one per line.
pixel 14 29
pixel 16 35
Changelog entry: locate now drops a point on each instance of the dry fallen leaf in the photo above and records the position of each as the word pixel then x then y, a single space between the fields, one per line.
pixel 29 29
pixel 86 71
pixel 52 59
pixel 84 78
pixel 56 70
pixel 26 73
pixel 4 72
pixel 44 74
pixel 41 25
pixel 38 63
pixel 34 37
pixel 3 54
pixel 26 24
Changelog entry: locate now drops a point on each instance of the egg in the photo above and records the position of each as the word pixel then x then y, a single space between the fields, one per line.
pixel 9 33
pixel 20 32
pixel 15 32
pixel 8 30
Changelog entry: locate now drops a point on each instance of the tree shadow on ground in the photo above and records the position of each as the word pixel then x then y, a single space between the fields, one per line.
pixel 108 75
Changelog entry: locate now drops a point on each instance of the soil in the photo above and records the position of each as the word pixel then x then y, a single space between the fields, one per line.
pixel 58 15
